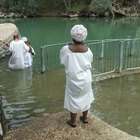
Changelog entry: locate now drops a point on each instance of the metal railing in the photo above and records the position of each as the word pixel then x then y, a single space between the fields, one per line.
pixel 110 55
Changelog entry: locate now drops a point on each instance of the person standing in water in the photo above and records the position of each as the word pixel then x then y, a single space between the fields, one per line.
pixel 28 56
pixel 77 59
pixel 17 48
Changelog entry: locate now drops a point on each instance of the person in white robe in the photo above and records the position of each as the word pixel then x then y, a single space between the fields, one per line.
pixel 17 48
pixel 28 56
pixel 77 60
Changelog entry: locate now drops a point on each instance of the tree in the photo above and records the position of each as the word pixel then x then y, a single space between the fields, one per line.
pixel 67 4
pixel 101 6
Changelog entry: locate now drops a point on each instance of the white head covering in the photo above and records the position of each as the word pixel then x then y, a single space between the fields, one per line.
pixel 24 39
pixel 78 33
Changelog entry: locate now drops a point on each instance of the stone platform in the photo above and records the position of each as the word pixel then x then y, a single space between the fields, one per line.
pixel 54 127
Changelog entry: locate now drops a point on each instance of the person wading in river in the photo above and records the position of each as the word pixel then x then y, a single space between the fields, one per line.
pixel 17 48
pixel 28 56
pixel 77 58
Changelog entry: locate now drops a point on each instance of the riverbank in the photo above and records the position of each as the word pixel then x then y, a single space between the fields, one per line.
pixel 54 127
pixel 46 8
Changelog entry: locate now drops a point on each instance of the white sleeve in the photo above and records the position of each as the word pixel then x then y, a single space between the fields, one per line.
pixel 33 51
pixel 91 56
pixel 63 55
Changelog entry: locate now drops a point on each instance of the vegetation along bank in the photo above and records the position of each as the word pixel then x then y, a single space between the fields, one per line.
pixel 69 8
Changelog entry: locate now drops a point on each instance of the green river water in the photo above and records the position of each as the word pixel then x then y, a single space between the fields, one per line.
pixel 27 94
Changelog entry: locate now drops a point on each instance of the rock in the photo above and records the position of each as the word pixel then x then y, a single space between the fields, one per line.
pixel 7 30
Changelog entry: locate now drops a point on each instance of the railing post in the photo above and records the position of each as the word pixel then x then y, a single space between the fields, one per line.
pixel 102 49
pixel 130 46
pixel 133 46
pixel 43 66
pixel 1 119
pixel 119 59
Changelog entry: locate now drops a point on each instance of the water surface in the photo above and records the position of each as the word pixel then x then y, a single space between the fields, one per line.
pixel 42 31
pixel 117 103
pixel 27 94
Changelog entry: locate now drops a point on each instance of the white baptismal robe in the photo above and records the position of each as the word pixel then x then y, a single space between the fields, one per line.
pixel 78 92
pixel 28 58
pixel 17 59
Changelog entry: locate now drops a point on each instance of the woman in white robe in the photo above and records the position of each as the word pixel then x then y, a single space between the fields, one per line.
pixel 17 48
pixel 77 59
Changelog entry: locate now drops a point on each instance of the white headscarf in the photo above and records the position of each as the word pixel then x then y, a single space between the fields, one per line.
pixel 78 33
pixel 24 39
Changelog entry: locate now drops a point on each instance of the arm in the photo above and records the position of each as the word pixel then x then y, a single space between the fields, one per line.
pixel 27 48
pixel 31 50
pixel 63 55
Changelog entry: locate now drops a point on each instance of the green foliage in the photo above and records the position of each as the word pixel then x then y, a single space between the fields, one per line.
pixel 50 7
pixel 101 5
pixel 128 2
pixel 22 6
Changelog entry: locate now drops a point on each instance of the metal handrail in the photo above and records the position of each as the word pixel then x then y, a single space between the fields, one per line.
pixel 115 61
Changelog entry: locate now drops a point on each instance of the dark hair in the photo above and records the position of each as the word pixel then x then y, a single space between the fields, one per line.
pixel 15 36
pixel 76 42
pixel 28 42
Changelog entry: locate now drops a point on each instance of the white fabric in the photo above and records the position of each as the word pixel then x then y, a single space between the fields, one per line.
pixel 78 92
pixel 28 58
pixel 17 59
pixel 24 39
pixel 78 33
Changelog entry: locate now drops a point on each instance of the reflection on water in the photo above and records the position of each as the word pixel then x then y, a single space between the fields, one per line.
pixel 27 94
pixel 16 95
pixel 117 103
